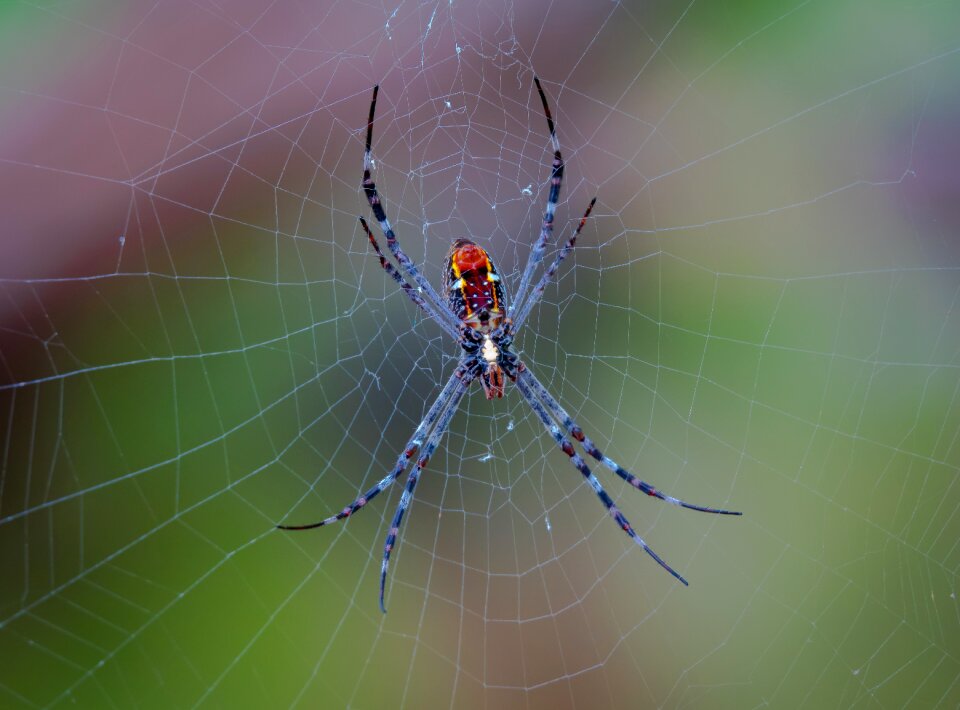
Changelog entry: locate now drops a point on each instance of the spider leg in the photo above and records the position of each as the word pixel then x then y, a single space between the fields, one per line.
pixel 415 442
pixel 407 288
pixel 407 496
pixel 535 295
pixel 581 466
pixel 577 433
pixel 370 189
pixel 546 229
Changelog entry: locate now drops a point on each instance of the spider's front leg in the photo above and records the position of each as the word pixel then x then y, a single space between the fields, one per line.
pixel 567 447
pixel 456 383
pixel 465 374
pixel 577 433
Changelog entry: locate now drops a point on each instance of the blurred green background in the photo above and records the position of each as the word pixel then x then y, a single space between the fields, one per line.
pixel 195 344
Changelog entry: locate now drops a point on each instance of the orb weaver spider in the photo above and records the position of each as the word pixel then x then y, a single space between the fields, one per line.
pixel 475 314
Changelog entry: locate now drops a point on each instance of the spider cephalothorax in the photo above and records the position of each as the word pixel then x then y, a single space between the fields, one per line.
pixel 474 313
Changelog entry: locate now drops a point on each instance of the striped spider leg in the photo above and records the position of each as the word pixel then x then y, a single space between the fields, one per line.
pixel 435 305
pixel 413 445
pixel 524 310
pixel 434 423
pixel 561 416
pixel 463 380
pixel 546 228
pixel 581 466
pixel 540 400
pixel 411 292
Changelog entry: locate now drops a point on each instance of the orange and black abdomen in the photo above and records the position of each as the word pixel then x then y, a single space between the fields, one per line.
pixel 474 289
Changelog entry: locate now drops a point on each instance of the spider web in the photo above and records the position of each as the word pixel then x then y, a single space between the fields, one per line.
pixel 762 314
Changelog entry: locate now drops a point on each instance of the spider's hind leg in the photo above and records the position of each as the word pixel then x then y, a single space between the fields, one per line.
pixel 437 307
pixel 546 228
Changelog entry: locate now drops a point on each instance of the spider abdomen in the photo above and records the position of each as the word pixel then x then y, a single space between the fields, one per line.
pixel 474 289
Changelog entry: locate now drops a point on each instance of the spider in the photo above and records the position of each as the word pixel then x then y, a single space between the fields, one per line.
pixel 475 313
